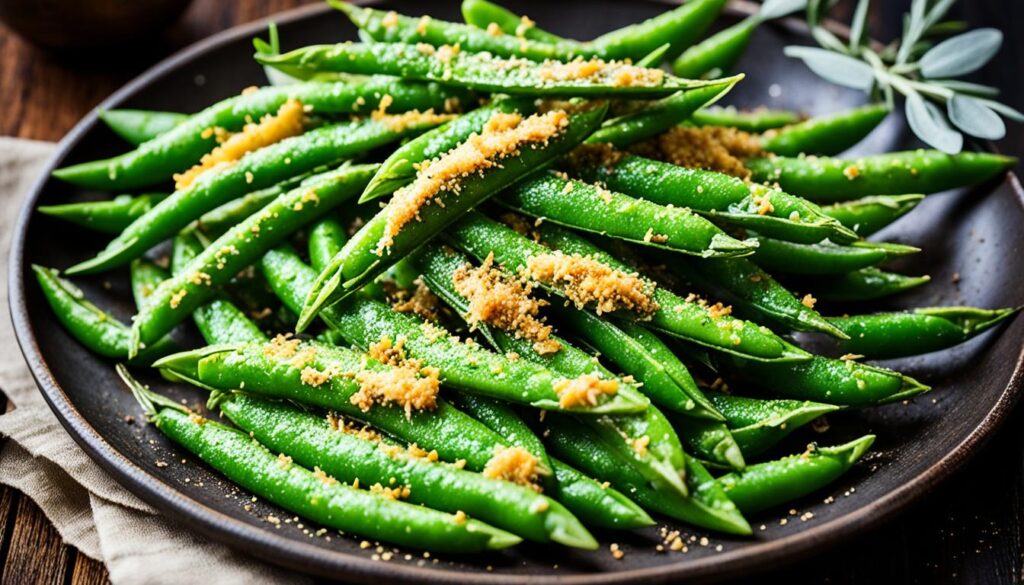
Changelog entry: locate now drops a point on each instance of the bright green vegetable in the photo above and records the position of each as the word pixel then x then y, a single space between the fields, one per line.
pixel 138 126
pixel 757 120
pixel 863 285
pixel 872 213
pixel 718 53
pixel 759 424
pixel 825 257
pixel 109 217
pixel 481 13
pixel 145 277
pixel 826 135
pixel 681 27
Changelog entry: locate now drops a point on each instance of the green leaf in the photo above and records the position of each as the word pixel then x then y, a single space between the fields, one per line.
pixel 834 67
pixel 772 9
pixel 930 125
pixel 966 87
pixel 913 28
pixel 1003 109
pixel 858 28
pixel 937 13
pixel 975 118
pixel 961 54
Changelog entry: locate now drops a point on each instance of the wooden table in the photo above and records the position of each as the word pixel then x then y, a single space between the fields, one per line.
pixel 969 530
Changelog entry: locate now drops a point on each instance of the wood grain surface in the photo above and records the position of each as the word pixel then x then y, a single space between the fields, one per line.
pixel 967 531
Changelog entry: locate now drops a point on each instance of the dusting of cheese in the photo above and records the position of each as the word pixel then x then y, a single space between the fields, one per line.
pixel 513 464
pixel 584 390
pixel 587 281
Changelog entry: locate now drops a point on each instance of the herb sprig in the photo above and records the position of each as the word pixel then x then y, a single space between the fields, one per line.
pixel 940 108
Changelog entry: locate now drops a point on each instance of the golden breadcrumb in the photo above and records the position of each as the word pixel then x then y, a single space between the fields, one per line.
pixel 420 301
pixel 715 148
pixel 617 73
pixel 584 390
pixel 587 281
pixel 513 464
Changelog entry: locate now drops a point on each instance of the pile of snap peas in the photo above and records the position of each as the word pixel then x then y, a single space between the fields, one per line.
pixel 668 379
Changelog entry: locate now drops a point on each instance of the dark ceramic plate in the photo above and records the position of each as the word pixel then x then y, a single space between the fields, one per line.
pixel 975 234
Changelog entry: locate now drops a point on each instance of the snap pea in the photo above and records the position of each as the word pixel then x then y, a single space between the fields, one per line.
pixel 312 442
pixel 747 120
pixel 718 53
pixel 253 467
pixel 399 169
pixel 829 180
pixel 824 257
pixel 481 13
pixel 660 115
pixel 863 285
pixel 360 260
pixel 711 441
pixel 95 329
pixel 138 126
pixel 145 276
pixel 719 196
pixel 872 213
pixel 773 483
pixel 744 284
pixel 681 27
pixel 595 503
pixel 825 135
pixel 707 506
pixel 589 208
pixel 256 170
pixel 183 146
pixel 891 335
pixel 759 424
pixel 109 217
pixel 480 236
pixel 175 299
pixel 844 382
pixel 391 27
pixel 480 71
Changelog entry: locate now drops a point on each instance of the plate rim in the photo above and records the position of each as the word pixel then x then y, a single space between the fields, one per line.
pixel 309 558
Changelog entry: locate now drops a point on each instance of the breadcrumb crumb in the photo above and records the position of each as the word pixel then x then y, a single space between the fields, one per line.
pixel 587 281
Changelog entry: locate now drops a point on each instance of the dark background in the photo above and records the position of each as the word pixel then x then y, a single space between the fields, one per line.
pixel 969 530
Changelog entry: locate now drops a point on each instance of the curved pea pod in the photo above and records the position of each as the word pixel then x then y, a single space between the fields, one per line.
pixel 828 180
pixel 721 197
pixel 181 147
pixel 482 71
pixel 774 483
pixel 711 441
pixel 825 257
pixel 481 13
pixel 892 335
pixel 718 53
pixel 595 503
pixel 312 442
pixel 864 285
pixel 680 26
pixel 175 299
pixel 330 503
pixel 747 120
pixel 706 505
pixel 138 126
pixel 843 382
pixel 684 319
pixel 256 170
pixel 109 217
pixel 399 169
pixel 826 135
pixel 869 214
pixel 95 329
pixel 592 209
pixel 748 287
pixel 759 424
pixel 145 276
pixel 660 115
pixel 325 239
pixel 390 27
pixel 362 259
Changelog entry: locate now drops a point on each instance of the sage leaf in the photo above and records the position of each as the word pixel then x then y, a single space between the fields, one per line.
pixel 1004 110
pixel 858 28
pixel 838 69
pixel 961 54
pixel 966 87
pixel 930 125
pixel 975 118
pixel 772 9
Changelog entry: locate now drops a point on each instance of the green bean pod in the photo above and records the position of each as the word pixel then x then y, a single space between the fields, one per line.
pixel 481 13
pixel 825 135
pixel 749 121
pixel 399 169
pixel 824 257
pixel 681 27
pixel 869 214
pixel 256 170
pixel 595 503
pixel 865 284
pixel 479 71
pixel 312 442
pixel 175 299
pixel 109 217
pixel 360 260
pixel 892 335
pixel 711 441
pixel 660 115
pixel 592 209
pixel 718 53
pixel 719 196
pixel 766 485
pixel 914 171
pixel 253 467
pixel 181 147
pixel 750 288
pixel 145 277
pixel 95 329
pixel 759 424
pixel 138 126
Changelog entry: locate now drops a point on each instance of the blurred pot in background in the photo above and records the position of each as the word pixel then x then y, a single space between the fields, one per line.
pixel 69 24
